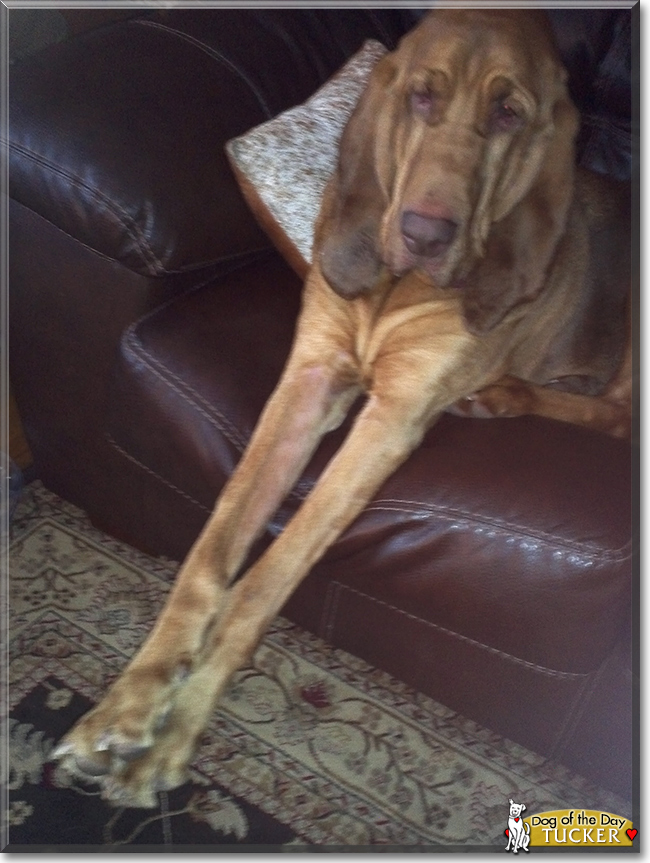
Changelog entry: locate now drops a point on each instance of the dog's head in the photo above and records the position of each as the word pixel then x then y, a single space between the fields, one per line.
pixel 458 161
pixel 516 809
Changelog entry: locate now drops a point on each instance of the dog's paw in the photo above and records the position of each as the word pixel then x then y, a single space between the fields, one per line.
pixel 508 397
pixel 163 767
pixel 130 776
pixel 123 726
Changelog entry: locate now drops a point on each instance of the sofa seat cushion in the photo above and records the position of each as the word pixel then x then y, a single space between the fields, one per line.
pixel 514 533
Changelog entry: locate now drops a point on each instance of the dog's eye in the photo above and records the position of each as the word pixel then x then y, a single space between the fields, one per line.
pixel 422 102
pixel 505 117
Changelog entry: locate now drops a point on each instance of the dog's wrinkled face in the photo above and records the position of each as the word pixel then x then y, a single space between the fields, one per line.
pixel 452 134
pixel 475 97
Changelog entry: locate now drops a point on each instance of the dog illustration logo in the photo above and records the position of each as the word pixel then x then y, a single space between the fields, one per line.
pixel 517 831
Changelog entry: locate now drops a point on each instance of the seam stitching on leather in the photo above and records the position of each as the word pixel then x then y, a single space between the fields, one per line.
pixel 72 237
pixel 323 626
pixel 334 611
pixel 239 260
pixel 211 52
pixel 164 374
pixel 574 714
pixel 550 672
pixel 513 531
pixel 333 595
pixel 466 519
pixel 153 473
pixel 302 488
pixel 183 271
pixel 150 259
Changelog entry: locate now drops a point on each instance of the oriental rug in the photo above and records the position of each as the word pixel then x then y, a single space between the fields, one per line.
pixel 311 749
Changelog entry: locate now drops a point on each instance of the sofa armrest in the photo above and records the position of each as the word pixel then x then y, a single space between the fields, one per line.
pixel 117 139
pixel 117 136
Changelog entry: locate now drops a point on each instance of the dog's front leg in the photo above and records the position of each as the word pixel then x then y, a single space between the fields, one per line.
pixel 386 431
pixel 312 398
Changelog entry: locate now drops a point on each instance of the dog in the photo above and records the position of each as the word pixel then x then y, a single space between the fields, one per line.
pixel 518 832
pixel 461 261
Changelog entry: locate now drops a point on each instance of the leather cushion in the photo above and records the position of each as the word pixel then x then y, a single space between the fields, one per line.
pixel 513 533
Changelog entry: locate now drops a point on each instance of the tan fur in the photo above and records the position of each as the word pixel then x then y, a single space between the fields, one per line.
pixel 502 312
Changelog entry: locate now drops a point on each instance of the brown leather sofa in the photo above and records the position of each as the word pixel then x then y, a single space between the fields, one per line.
pixel 150 320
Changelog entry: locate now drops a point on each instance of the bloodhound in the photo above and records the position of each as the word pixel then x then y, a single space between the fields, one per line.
pixel 461 262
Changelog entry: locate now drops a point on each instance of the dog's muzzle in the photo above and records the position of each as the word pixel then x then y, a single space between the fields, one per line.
pixel 425 236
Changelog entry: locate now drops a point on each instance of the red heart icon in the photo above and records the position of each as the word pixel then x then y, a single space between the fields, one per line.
pixel 631 833
pixel 507 832
pixel 516 819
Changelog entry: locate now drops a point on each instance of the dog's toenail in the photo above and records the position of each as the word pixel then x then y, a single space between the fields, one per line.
pixel 111 790
pixel 162 720
pixel 92 768
pixel 130 751
pixel 104 742
pixel 64 748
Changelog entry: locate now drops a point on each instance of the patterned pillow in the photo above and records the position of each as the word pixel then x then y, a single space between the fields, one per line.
pixel 283 165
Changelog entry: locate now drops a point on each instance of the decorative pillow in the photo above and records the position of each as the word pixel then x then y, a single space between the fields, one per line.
pixel 283 165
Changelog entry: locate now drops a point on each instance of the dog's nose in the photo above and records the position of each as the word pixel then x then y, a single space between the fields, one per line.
pixel 426 236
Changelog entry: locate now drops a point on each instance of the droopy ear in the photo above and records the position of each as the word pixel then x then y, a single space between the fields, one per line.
pixel 520 245
pixel 348 253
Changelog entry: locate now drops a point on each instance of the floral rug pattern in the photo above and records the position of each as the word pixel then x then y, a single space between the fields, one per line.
pixel 310 746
